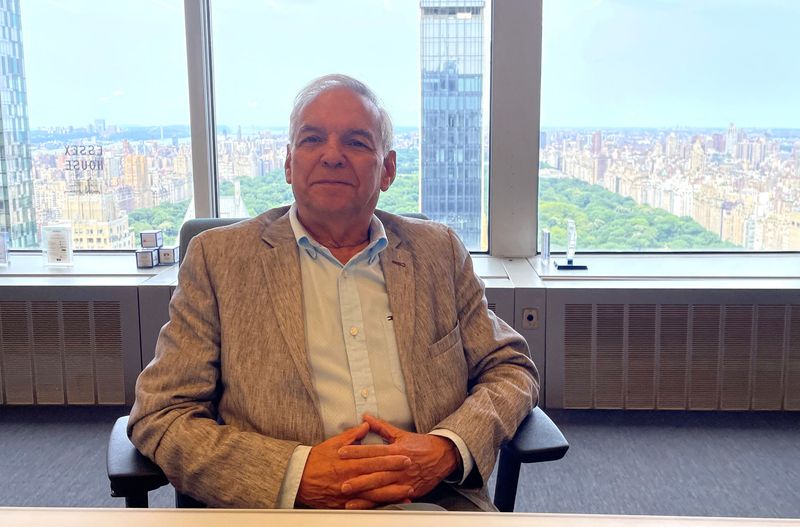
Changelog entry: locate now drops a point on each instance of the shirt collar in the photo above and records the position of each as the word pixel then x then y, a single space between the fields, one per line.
pixel 377 238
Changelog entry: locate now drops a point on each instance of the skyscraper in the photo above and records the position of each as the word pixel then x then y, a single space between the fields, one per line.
pixel 597 143
pixel 452 90
pixel 731 140
pixel 17 214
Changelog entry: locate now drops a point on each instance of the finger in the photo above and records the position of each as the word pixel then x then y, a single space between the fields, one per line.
pixel 359 504
pixel 371 481
pixel 382 428
pixel 364 451
pixel 359 467
pixel 351 435
pixel 394 493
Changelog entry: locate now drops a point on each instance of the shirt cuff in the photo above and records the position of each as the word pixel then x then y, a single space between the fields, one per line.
pixel 291 480
pixel 467 463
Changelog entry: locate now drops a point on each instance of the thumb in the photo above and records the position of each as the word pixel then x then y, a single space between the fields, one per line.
pixel 382 428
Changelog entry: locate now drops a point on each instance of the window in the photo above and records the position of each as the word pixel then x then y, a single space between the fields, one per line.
pixel 428 61
pixel 95 124
pixel 650 139
pixel 670 126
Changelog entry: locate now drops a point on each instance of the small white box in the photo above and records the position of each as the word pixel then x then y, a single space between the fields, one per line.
pixel 168 255
pixel 151 239
pixel 146 258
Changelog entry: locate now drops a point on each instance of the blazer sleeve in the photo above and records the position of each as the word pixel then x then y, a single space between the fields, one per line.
pixel 173 421
pixel 503 382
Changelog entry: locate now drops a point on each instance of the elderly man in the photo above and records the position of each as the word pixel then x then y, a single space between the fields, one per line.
pixel 329 355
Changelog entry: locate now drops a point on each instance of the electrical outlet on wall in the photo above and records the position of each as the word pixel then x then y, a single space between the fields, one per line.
pixel 530 318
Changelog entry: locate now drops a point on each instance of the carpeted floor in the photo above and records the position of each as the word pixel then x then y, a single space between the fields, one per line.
pixel 664 463
pixel 671 463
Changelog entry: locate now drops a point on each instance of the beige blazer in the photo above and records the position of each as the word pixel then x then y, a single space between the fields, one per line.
pixel 229 394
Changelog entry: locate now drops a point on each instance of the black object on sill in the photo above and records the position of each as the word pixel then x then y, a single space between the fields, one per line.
pixel 570 266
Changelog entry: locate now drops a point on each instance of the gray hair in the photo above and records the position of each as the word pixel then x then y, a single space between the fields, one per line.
pixel 328 82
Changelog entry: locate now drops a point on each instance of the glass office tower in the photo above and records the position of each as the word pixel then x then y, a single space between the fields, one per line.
pixel 17 215
pixel 452 83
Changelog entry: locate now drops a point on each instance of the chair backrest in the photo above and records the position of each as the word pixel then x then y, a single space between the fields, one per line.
pixel 418 215
pixel 191 228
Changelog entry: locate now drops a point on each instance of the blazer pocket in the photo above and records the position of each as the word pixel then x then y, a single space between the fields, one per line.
pixel 450 341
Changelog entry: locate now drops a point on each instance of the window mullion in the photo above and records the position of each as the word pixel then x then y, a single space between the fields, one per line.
pixel 514 127
pixel 201 106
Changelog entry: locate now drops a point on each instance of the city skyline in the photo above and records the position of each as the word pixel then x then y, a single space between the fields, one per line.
pixel 743 188
pixel 746 190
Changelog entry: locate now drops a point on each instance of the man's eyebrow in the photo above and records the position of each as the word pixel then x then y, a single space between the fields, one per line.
pixel 309 128
pixel 359 132
pixel 362 133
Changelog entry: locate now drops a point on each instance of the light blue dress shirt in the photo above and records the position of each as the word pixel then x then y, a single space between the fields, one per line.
pixel 351 345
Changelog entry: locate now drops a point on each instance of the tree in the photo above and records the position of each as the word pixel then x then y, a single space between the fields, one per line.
pixel 608 221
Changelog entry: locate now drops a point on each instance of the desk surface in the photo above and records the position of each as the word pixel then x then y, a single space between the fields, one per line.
pixel 49 517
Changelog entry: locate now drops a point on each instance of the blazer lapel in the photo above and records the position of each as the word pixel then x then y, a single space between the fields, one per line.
pixel 398 271
pixel 281 266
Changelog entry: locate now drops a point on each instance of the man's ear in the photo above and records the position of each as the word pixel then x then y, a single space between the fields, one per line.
pixel 389 170
pixel 287 165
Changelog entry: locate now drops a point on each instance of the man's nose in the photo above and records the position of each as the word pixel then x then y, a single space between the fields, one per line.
pixel 332 156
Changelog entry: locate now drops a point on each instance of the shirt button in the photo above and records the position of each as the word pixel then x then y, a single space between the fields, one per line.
pixel 354 331
pixel 364 393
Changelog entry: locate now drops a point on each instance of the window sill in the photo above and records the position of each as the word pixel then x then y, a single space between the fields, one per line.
pixel 706 271
pixel 88 269
pixel 643 271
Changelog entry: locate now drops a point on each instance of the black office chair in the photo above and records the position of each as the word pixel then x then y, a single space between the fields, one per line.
pixel 133 476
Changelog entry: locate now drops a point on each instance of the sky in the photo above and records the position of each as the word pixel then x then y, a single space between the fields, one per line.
pixel 669 63
pixel 606 63
pixel 125 60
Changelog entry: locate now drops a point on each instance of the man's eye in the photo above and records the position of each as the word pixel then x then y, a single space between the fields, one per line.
pixel 311 139
pixel 358 144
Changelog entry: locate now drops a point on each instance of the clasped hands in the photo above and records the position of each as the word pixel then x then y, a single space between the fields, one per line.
pixel 341 474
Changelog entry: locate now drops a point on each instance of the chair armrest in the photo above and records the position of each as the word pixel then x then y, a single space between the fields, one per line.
pixel 129 472
pixel 537 439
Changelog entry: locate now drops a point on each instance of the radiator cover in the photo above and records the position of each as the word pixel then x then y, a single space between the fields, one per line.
pixel 676 350
pixel 68 345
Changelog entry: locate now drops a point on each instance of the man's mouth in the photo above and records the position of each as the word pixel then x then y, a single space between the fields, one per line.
pixel 332 182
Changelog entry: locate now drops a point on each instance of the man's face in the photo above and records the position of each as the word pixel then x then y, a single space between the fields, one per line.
pixel 336 164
